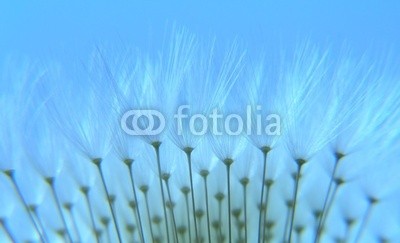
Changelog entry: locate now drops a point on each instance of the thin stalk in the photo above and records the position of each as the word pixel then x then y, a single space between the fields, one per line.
pixel 229 207
pixel 245 182
pixel 133 206
pixel 300 163
pixel 228 162
pixel 99 234
pixel 185 191
pixel 199 215
pixel 33 209
pixel 240 226
pixel 144 190
pixel 156 146
pixel 365 219
pixel 182 232
pixel 157 221
pixel 68 207
pixel 166 180
pixel 97 162
pixel 85 191
pixel 349 225
pixel 299 232
pixel 7 230
pixel 217 227
pixel 129 164
pixel 106 223
pixel 265 151
pixel 204 174
pixel 268 184
pixel 317 214
pixel 10 175
pixel 188 151
pixel 170 205
pixel 220 197
pixel 327 196
pixel 324 217
pixel 289 205
pixel 130 228
pixel 269 226
pixel 50 181
pixel 236 214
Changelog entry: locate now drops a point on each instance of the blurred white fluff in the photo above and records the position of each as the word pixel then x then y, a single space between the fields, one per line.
pixel 81 116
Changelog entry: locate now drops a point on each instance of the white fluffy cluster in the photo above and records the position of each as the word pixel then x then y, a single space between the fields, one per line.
pixel 71 174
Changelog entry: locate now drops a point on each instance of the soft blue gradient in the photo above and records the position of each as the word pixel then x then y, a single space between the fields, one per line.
pixel 43 28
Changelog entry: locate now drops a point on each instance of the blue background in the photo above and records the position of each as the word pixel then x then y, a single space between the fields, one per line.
pixel 43 28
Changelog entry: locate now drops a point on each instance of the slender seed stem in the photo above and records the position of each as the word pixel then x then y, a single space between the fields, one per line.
pixel 215 225
pixel 300 163
pixel 236 214
pixel 39 230
pixel 270 225
pixel 349 225
pixel 228 171
pixel 182 232
pixel 299 232
pixel 100 234
pixel 85 191
pixel 144 190
pixel 244 182
pixel 157 221
pixel 107 230
pixel 50 181
pixel 268 184
pixel 97 162
pixel 220 220
pixel 68 207
pixel 185 191
pixel 328 209
pixel 133 206
pixel 324 217
pixel 130 228
pixel 188 152
pixel 365 219
pixel 136 200
pixel 171 215
pixel 220 196
pixel 239 230
pixel 204 174
pixel 327 196
pixel 199 215
pixel 156 146
pixel 317 214
pixel 33 209
pixel 172 209
pixel 289 205
pixel 265 151
pixel 263 218
pixel 7 230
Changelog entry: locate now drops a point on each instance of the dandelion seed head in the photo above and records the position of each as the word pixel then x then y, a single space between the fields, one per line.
pixel 330 170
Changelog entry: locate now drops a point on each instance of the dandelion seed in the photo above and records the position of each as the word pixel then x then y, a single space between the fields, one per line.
pixel 325 175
